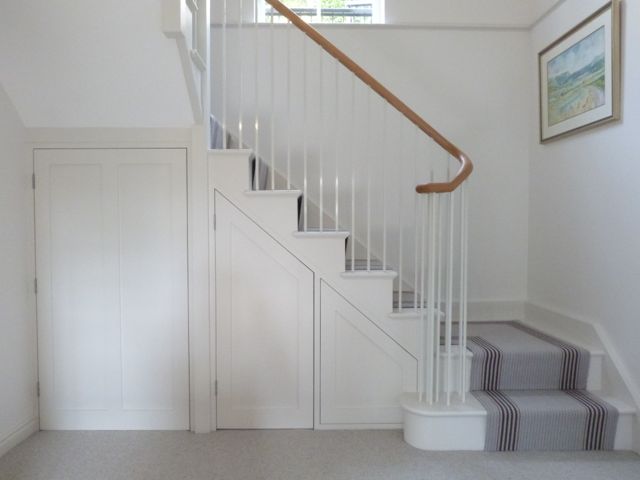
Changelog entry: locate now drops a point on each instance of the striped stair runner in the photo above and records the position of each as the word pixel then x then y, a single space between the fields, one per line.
pixel 533 387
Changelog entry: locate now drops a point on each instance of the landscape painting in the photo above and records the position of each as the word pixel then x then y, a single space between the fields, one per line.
pixel 576 79
pixel 580 76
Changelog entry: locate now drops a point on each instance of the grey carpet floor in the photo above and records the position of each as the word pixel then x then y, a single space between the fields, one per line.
pixel 284 455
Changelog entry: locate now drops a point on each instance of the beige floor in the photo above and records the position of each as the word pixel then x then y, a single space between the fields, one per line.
pixel 284 455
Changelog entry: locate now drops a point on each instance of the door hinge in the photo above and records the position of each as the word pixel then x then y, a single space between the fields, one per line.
pixel 38 388
pixel 215 388
pixel 33 181
pixel 35 286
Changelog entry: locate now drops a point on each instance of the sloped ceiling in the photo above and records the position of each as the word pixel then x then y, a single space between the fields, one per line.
pixel 91 63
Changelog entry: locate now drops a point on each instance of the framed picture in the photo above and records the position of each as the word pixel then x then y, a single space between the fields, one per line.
pixel 580 76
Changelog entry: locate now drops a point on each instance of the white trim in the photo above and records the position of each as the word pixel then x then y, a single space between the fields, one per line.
pixel 213 369
pixel 194 141
pixel 175 14
pixel 199 275
pixel 108 137
pixel 19 435
pixel 198 61
pixel 399 26
pixel 555 315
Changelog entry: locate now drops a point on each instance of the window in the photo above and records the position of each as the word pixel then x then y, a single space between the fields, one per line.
pixel 327 11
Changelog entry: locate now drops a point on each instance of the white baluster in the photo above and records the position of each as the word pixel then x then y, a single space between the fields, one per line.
pixel 337 152
pixel 439 228
pixel 384 186
pixel 463 295
pixel 415 208
pixel 419 291
pixel 273 104
pixel 425 305
pixel 224 75
pixel 368 161
pixel 461 291
pixel 400 225
pixel 321 130
pixel 305 153
pixel 353 176
pixel 256 83
pixel 431 295
pixel 288 95
pixel 449 319
pixel 241 79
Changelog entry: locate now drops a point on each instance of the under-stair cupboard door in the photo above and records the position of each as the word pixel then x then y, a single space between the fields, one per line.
pixel 111 234
pixel 264 328
pixel 363 371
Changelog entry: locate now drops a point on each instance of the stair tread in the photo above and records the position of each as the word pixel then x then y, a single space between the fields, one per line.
pixel 364 264
pixel 352 274
pixel 274 193
pixel 525 359
pixel 321 234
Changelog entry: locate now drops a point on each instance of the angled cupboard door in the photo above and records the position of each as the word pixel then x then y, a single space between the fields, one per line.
pixel 264 328
pixel 111 233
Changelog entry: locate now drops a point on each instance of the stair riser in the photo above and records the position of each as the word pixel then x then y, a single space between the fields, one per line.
pixel 328 252
pixel 232 171
pixel 373 292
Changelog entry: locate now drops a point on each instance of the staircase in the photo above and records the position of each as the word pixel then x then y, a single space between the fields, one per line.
pixel 342 200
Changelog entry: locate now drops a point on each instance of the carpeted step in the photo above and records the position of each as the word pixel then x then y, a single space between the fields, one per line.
pixel 511 356
pixel 409 300
pixel 546 420
pixel 264 174
pixel 363 264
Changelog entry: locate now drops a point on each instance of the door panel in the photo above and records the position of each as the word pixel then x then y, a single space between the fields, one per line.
pixel 363 370
pixel 112 305
pixel 264 320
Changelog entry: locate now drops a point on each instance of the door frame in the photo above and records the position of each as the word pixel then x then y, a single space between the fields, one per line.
pixel 199 223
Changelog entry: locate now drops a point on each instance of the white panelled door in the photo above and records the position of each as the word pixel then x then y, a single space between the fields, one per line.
pixel 264 322
pixel 111 233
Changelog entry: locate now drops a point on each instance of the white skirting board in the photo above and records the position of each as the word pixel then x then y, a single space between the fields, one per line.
pixel 19 435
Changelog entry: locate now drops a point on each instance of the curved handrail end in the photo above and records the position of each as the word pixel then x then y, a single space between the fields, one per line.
pixel 466 168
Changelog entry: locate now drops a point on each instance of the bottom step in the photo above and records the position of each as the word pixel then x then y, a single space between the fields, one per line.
pixel 463 427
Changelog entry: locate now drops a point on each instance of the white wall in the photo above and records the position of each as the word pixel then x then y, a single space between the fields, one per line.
pixel 465 12
pixel 474 98
pixel 94 63
pixel 584 217
pixel 454 79
pixel 17 316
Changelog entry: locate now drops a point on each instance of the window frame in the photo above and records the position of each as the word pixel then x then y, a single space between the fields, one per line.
pixel 377 16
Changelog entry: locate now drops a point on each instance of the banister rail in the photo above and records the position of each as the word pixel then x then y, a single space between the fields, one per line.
pixel 466 166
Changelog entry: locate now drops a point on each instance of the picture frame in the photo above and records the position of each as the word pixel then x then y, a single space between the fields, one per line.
pixel 580 76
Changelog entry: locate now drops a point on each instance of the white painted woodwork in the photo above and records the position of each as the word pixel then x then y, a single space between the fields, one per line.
pixel 185 22
pixel 276 213
pixel 462 427
pixel 18 365
pixel 440 427
pixel 264 324
pixel 363 371
pixel 111 235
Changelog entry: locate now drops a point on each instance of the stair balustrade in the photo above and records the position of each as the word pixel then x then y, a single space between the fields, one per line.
pixel 318 122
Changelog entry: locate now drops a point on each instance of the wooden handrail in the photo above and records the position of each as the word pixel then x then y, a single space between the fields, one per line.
pixel 466 167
